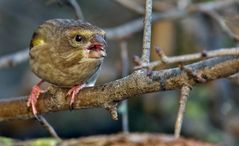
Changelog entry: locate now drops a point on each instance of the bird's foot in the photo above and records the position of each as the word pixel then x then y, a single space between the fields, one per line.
pixel 32 98
pixel 73 91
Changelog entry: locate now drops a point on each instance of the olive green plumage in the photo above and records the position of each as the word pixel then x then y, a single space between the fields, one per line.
pixel 67 52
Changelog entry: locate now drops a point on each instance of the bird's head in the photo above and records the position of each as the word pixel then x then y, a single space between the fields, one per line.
pixel 72 40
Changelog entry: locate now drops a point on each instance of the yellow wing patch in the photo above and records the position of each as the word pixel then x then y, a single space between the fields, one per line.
pixel 37 41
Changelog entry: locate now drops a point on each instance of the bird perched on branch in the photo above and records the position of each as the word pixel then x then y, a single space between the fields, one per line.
pixel 66 53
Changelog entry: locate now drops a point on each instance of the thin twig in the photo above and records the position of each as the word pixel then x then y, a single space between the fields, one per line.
pixel 47 126
pixel 125 72
pixel 129 28
pixel 222 22
pixel 182 103
pixel 13 59
pixel 165 60
pixel 147 32
pixel 77 8
pixel 132 5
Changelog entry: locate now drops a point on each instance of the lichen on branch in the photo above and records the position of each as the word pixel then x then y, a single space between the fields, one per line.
pixel 113 92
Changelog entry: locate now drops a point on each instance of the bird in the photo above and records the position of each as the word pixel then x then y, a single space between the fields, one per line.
pixel 66 53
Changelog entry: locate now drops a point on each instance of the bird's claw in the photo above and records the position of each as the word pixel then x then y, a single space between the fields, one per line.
pixel 73 92
pixel 32 99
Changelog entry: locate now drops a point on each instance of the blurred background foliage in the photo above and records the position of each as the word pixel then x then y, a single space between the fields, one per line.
pixel 212 110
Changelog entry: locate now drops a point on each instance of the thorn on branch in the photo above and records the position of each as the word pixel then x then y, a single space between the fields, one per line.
pixel 112 108
pixel 182 104
pixel 163 58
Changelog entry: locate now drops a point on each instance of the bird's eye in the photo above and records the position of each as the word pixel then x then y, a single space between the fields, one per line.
pixel 78 38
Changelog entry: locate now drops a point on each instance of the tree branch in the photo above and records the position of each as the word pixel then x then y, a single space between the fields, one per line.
pixel 131 5
pixel 222 23
pixel 77 9
pixel 165 60
pixel 147 32
pixel 113 92
pixel 14 59
pixel 182 104
pixel 134 26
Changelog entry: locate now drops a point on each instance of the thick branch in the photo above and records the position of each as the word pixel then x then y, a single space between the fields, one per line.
pixel 113 92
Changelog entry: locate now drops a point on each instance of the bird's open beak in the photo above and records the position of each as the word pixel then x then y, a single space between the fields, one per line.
pixel 97 47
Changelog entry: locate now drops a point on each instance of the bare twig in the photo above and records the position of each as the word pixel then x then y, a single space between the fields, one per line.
pixel 77 8
pixel 186 58
pixel 222 22
pixel 213 5
pixel 112 108
pixel 13 59
pixel 147 32
pixel 182 103
pixel 113 92
pixel 47 126
pixel 132 5
pixel 134 26
pixel 125 72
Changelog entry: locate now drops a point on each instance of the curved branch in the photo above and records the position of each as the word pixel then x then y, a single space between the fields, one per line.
pixel 134 26
pixel 77 9
pixel 131 5
pixel 113 92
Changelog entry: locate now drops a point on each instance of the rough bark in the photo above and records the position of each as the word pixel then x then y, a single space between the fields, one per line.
pixel 109 94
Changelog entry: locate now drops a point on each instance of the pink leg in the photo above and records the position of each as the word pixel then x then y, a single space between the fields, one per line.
pixel 73 91
pixel 32 98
